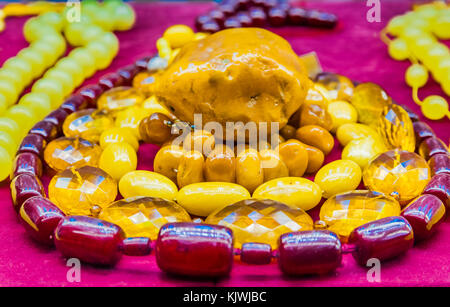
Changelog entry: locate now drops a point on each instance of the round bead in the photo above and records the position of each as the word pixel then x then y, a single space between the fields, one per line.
pixel 52 88
pixel 9 126
pixel 434 107
pixel 156 129
pixel 87 124
pixel 398 49
pixel 178 35
pixel 8 143
pixel 117 159
pixel 39 103
pixel 5 164
pixel 117 135
pixel 23 116
pixel 131 118
pixel 85 60
pixel 416 76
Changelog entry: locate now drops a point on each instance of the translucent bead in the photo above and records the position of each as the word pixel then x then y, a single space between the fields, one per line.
pixel 338 86
pixel 119 98
pixel 353 131
pixel 261 221
pixel 398 173
pixel 117 135
pixel 131 118
pixel 396 129
pixel 178 35
pixel 369 100
pixel 341 113
pixel 344 212
pixel 118 159
pixel 87 124
pixel 434 107
pixel 143 216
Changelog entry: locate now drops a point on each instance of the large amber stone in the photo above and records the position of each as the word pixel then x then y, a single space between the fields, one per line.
pixel 119 98
pixel 143 216
pixel 370 100
pixel 87 124
pixel 261 221
pixel 396 128
pixel 344 212
pixel 399 173
pixel 82 191
pixel 66 152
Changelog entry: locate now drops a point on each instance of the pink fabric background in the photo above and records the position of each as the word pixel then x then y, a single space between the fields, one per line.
pixel 353 49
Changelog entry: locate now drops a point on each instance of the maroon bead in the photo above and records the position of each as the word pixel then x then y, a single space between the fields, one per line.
pixel 244 19
pixel 412 115
pixel 381 239
pixel 439 186
pixel 217 16
pixel 422 131
pixel 424 214
pixel 258 17
pixel 269 4
pixel 74 103
pixel 57 117
pixel 128 73
pixel 137 246
pixel 258 3
pixel 142 63
pixel 321 20
pixel 91 93
pixel 200 20
pixel 33 143
pixel 228 9
pixel 242 5
pixel 432 146
pixel 309 252
pixel 89 239
pixel 23 187
pixel 232 22
pixel 256 253
pixel 27 163
pixel 439 163
pixel 110 80
pixel 297 16
pixel 46 129
pixel 210 27
pixel 40 218
pixel 277 17
pixel 195 249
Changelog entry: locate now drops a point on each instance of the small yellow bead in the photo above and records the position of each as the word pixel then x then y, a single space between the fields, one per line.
pixel 363 150
pixel 416 75
pixel 145 183
pixel 151 105
pixel 341 113
pixel 130 118
pixel 338 177
pixel 398 49
pixel 434 107
pixel 117 159
pixel 354 131
pixel 117 135
pixel 5 164
pixel 178 35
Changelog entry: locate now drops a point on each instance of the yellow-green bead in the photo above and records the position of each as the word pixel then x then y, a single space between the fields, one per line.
pixel 396 25
pixel 55 20
pixel 5 164
pixel 124 17
pixel 435 54
pixel 8 143
pixel 35 59
pixel 46 51
pixel 441 26
pixel 53 89
pixel 104 20
pixel 13 76
pixel 72 67
pixel 73 33
pixel 101 54
pixel 62 77
pixel 434 107
pixel 3 105
pixel 21 66
pixel 110 40
pixel 416 75
pixel 11 127
pixel 38 102
pixel 85 60
pixel 9 91
pixel 398 49
pixel 23 116
pixel 90 34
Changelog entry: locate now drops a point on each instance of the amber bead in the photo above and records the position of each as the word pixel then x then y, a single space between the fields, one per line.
pixel 370 100
pixel 200 140
pixel 145 83
pixel 87 124
pixel 316 136
pixel 439 186
pixel 432 146
pixel 249 171
pixel 130 118
pixel 33 143
pixel 439 163
pixel 288 132
pixel 422 131
pixel 339 87
pixel 167 161
pixel 313 114
pixel 23 187
pixel 295 156
pixel 315 159
pixel 190 169
pixel 27 163
pixel 272 164
pixel 396 129
pixel 220 165
pixel 156 129
pixel 47 130
pixel 119 98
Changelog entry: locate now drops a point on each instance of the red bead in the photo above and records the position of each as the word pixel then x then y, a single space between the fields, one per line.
pixel 269 4
pixel 142 63
pixel 297 16
pixel 257 3
pixel 57 117
pixel 74 103
pixel 256 253
pixel 309 252
pixel 27 163
pixel 382 239
pixel 242 4
pixel 412 115
pixel 439 186
pixel 200 20
pixel 258 17
pixel 422 131
pixel 110 80
pixel 244 19
pixel 195 249
pixel 217 16
pixel 439 163
pixel 321 20
pixel 91 93
pixel 228 9
pixel 138 246
pixel 46 129
pixel 33 143
pixel 89 239
pixel 232 22
pixel 210 27
pixel 432 146
pixel 23 187
pixel 277 17
pixel 40 218
pixel 128 73
pixel 424 214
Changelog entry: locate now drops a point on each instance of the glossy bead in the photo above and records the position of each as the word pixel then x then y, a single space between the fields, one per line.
pixel 295 155
pixel 142 63
pixel 272 164
pixel 145 183
pixel 119 98
pixel 128 73
pixel 91 93
pixel 396 129
pixel 256 253
pixel 32 143
pixel 314 114
pixel 27 163
pixel 89 239
pixel 203 198
pixel 87 124
pixel 45 129
pixel 78 191
pixel 8 143
pixel 143 216
pixel 110 81
pixel 220 165
pixel 167 160
pixel 244 19
pixel 434 107
pixel 117 159
pixel 398 173
pixel 200 140
pixel 231 22
pixel 191 168
pixel 156 129
pixel 145 82
pixel 196 250
pixel 40 218
pixel 117 135
pixel 382 239
pixel 25 186
pixel 258 17
pixel 296 192
pixel 276 17
pixel 57 117
pixel 321 20
pixel 64 153
pixel 432 146
pixel 341 113
pixel 439 186
pixel 424 214
pixel 309 252
pixel 74 103
pixel 249 172
pixel 316 136
pixel 422 131
pixel 363 150
pixel 137 246
pixel 297 16
pixel 369 100
pixel 439 163
pixel 344 212
pixel 131 118
pixel 354 131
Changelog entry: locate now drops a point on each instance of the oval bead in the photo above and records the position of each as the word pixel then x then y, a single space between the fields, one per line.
pixel 369 100
pixel 363 150
pixel 203 198
pixel 439 186
pixel 256 253
pixel 354 131
pixel 382 239
pixel 439 163
pixel 87 124
pixel 341 113
pixel 167 161
pixel 249 171
pixel 118 159
pixel 432 146
pixel 146 183
pixel 294 191
pixel 28 163
pixel 89 239
pixel 197 250
pixel 424 214
pixel 119 98
pixel 396 129
pixel 309 252
pixel 24 187
pixel 338 177
pixel 40 218
pixel 117 135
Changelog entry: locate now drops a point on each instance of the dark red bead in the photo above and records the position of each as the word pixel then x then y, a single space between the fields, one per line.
pixel 321 20
pixel 276 17
pixel 27 163
pixel 195 249
pixel 424 214
pixel 210 27
pixel 244 19
pixel 432 146
pixel 57 117
pixel 232 22
pixel 200 20
pixel 257 3
pixel 269 4
pixel 74 103
pixel 138 246
pixel 439 163
pixel 89 239
pixel 91 93
pixel 142 63
pixel 381 239
pixel 309 252
pixel 33 143
pixel 258 17
pixel 217 16
pixel 110 80
pixel 46 129
pixel 256 253
pixel 242 5
pixel 439 186
pixel 412 115
pixel 25 186
pixel 422 131
pixel 228 9
pixel 297 16
pixel 40 218
pixel 128 73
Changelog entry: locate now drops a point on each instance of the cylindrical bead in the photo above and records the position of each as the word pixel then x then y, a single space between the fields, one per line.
pixel 439 163
pixel 23 187
pixel 32 143
pixel 432 146
pixel 74 103
pixel 91 93
pixel 422 131
pixel 439 186
pixel 57 117
pixel 128 73
pixel 46 129
pixel 110 80
pixel 256 253
pixel 137 246
pixel 28 163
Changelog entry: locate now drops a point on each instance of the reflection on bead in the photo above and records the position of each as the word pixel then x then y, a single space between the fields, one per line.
pixel 256 253
pixel 23 187
pixel 439 186
pixel 439 163
pixel 27 163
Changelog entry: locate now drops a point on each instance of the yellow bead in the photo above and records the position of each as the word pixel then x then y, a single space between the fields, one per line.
pixel 9 91
pixel 119 98
pixel 23 116
pixel 5 164
pixel 354 131
pixel 22 66
pixel 369 100
pixel 396 25
pixel 341 113
pixel 3 105
pixel 398 49
pixel 87 124
pixel 117 135
pixel 63 153
pixel 296 192
pixel 145 83
pixel 401 174
pixel 145 183
pixel 344 212
pixel 38 102
pixel 416 75
pixel 11 127
pixel 203 198
pixel 80 191
pixel 200 35
pixel 131 118
pixel 178 35
pixel 261 221
pixel 436 53
pixel 396 129
pixel 52 88
pixel 143 216
pixel 434 107
pixel 151 105
pixel 338 177
pixel 117 159
pixel 363 150
pixel 441 26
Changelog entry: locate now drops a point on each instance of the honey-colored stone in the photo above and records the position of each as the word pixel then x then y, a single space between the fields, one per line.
pixel 144 82
pixel 338 86
pixel 119 98
pixel 369 100
pixel 396 128
pixel 87 124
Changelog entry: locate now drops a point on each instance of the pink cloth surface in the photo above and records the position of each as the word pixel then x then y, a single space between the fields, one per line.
pixel 353 49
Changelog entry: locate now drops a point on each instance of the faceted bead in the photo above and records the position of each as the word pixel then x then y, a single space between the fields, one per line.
pixel 439 186
pixel 87 124
pixel 78 191
pixel 119 98
pixel 256 253
pixel 74 103
pixel 439 163
pixel 27 163
pixel 369 100
pixel 422 131
pixel 309 252
pixel 23 187
pixel 197 250
pixel 57 117
pixel 432 146
pixel 89 239
pixel 137 246
pixel 64 153
pixel 382 239
pixel 401 174
pixel 261 221
pixel 143 216
pixel 339 87
pixel 32 143
pixel 46 129
pixel 344 212
pixel 110 80
pixel 396 129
